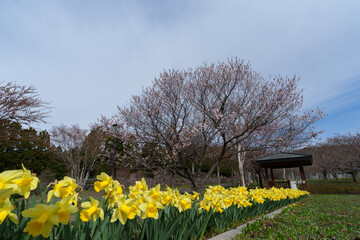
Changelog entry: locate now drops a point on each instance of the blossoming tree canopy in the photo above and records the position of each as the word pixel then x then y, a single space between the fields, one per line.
pixel 186 113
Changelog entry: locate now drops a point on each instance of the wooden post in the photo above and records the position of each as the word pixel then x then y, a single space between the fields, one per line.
pixel 266 178
pixel 302 173
pixel 260 179
pixel 272 177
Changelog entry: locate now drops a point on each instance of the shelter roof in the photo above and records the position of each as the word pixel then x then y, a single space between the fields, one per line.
pixel 284 160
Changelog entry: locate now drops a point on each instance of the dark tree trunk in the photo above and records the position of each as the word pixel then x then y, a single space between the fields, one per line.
pixel 325 173
pixel 354 177
pixel 335 176
pixel 189 176
pixel 260 179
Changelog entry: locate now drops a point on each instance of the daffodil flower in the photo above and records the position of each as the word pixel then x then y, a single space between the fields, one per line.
pixel 43 219
pixel 183 203
pixel 114 189
pixel 104 182
pixel 204 205
pixel 63 189
pixel 26 182
pixel 92 210
pixel 66 208
pixel 154 192
pixel 113 193
pixel 195 196
pixel 141 186
pixel 7 177
pixel 126 209
pixel 150 208
pixel 6 211
pixel 165 198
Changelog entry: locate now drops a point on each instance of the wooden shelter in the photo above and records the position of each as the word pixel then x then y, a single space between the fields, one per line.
pixel 284 160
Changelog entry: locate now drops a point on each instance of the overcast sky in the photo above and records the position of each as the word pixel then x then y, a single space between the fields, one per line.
pixel 88 57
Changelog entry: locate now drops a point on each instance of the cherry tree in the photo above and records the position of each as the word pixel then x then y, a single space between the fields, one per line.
pixel 324 158
pixel 347 152
pixel 162 116
pixel 186 112
pixel 250 112
pixel 337 154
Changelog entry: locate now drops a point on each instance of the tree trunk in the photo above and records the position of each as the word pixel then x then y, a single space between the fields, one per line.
pixel 195 186
pixel 212 169
pixel 189 176
pixel 335 176
pixel 241 160
pixel 85 179
pixel 260 179
pixel 194 181
pixel 325 173
pixel 232 177
pixel 353 175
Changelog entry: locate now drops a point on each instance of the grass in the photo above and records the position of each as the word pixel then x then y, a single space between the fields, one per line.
pixel 329 186
pixel 332 181
pixel 333 186
pixel 315 217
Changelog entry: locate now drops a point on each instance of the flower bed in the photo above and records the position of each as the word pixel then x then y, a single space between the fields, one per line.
pixel 137 213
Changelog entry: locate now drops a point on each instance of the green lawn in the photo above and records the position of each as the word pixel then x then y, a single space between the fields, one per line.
pixel 316 217
pixel 341 181
pixel 333 186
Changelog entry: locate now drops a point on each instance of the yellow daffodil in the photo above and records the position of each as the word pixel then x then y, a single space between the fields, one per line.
pixel 43 219
pixel 6 211
pixel 63 188
pixel 154 192
pixel 183 203
pixel 7 178
pixel 104 182
pixel 165 198
pixel 141 186
pixel 204 205
pixel 26 182
pixel 66 208
pixel 150 208
pixel 114 189
pixel 133 192
pixel 126 209
pixel 195 196
pixel 74 198
pixel 92 210
pixel 228 201
pixel 113 193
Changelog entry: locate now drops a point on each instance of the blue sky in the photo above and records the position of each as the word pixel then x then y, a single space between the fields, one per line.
pixel 87 57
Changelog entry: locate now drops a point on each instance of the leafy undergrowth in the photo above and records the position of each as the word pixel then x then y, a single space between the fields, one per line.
pixel 316 217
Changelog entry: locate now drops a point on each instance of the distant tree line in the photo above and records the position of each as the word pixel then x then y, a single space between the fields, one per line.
pixel 21 106
pixel 338 154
